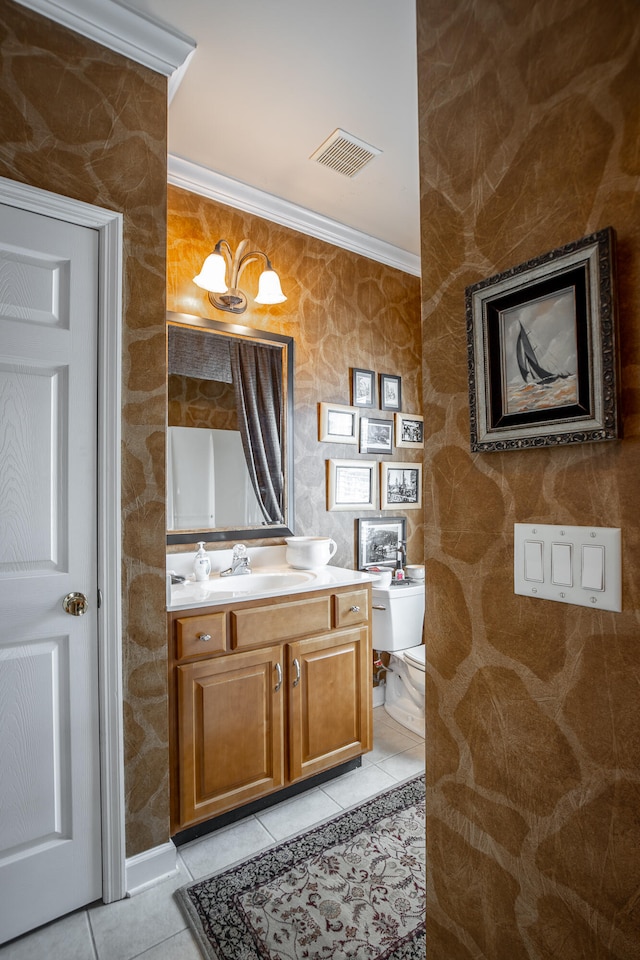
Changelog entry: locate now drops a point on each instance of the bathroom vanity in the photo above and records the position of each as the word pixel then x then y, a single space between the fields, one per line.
pixel 270 685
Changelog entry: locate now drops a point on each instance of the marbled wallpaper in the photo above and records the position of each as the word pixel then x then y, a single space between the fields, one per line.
pixel 529 139
pixel 201 403
pixel 343 311
pixel 102 139
pixel 79 120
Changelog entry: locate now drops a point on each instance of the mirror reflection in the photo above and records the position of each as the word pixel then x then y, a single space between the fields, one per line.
pixel 229 446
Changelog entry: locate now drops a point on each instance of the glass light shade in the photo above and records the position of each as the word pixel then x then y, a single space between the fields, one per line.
pixel 212 277
pixel 269 289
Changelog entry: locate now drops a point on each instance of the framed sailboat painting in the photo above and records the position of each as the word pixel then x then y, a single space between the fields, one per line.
pixel 542 350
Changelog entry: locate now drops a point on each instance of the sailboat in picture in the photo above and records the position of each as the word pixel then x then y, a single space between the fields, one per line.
pixel 528 363
pixel 540 388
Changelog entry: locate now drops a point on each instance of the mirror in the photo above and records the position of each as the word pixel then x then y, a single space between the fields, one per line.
pixel 230 431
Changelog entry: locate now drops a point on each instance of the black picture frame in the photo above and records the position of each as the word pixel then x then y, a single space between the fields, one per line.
pixel 390 392
pixel 363 388
pixel 376 436
pixel 542 350
pixel 378 541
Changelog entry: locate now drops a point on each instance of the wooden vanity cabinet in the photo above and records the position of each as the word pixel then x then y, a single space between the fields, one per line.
pixel 284 693
pixel 327 709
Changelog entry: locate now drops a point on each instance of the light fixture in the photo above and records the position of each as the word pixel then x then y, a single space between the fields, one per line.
pixel 223 296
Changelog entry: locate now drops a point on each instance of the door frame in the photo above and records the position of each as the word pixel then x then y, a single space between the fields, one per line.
pixel 109 226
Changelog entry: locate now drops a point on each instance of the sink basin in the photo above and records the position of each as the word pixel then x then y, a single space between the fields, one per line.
pixel 257 582
pixel 219 589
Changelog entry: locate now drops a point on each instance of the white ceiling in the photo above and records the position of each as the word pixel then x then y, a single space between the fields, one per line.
pixel 268 82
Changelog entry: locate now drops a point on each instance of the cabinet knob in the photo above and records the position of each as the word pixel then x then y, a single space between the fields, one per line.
pixel 354 609
pixel 205 637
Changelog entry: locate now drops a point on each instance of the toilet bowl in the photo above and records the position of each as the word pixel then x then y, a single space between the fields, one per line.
pixel 398 617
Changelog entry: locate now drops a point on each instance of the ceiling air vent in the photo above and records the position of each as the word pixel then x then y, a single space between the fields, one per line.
pixel 344 153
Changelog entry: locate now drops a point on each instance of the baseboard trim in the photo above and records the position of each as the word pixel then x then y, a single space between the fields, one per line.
pixel 150 867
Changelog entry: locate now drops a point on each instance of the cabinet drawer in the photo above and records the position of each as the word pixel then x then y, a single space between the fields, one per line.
pixel 192 634
pixel 259 625
pixel 352 607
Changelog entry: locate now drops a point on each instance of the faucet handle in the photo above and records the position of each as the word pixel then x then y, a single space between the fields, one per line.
pixel 239 551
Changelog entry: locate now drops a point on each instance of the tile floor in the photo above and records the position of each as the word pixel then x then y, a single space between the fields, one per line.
pixel 150 925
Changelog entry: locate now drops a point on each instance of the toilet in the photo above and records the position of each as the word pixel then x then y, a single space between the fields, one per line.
pixel 398 617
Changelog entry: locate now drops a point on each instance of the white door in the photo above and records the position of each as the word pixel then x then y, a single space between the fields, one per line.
pixel 50 818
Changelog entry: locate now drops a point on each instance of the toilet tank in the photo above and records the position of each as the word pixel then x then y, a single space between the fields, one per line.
pixel 397 616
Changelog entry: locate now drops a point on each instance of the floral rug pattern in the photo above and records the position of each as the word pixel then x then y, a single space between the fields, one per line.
pixel 352 888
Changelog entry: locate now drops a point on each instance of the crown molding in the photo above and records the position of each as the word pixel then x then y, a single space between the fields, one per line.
pixel 132 34
pixel 233 193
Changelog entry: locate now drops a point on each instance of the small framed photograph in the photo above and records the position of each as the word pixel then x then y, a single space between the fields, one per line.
pixel 390 392
pixel 351 484
pixel 409 430
pixel 363 388
pixel 378 541
pixel 338 423
pixel 401 485
pixel 376 436
pixel 542 350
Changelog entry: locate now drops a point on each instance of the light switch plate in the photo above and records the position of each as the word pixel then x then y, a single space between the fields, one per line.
pixel 569 560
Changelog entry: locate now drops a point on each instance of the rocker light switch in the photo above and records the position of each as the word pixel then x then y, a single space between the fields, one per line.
pixel 593 568
pixel 561 564
pixel 533 561
pixel 581 565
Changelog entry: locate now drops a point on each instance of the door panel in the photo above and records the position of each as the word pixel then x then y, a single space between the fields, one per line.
pixel 33 410
pixel 50 844
pixel 230 737
pixel 32 676
pixel 329 707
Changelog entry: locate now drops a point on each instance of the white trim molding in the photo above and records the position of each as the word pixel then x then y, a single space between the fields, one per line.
pixel 233 193
pixel 134 35
pixel 108 224
pixel 150 867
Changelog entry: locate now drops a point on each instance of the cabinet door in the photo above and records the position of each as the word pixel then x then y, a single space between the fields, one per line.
pixel 230 732
pixel 329 686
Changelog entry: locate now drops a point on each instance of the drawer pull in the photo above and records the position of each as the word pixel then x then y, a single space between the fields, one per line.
pixel 378 606
pixel 204 637
pixel 354 609
pixel 279 673
pixel 296 664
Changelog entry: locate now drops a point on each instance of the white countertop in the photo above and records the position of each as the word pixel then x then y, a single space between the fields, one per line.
pixel 265 581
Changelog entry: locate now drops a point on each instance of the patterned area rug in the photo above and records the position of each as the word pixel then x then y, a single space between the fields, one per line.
pixel 352 888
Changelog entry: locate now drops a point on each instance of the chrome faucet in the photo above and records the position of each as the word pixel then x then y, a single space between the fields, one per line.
pixel 240 562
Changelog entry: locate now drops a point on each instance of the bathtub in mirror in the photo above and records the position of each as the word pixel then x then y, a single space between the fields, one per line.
pixel 230 431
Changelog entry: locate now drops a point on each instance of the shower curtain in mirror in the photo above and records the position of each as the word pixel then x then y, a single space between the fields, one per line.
pixel 257 381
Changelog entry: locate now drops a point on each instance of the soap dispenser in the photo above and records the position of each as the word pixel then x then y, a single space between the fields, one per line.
pixel 201 563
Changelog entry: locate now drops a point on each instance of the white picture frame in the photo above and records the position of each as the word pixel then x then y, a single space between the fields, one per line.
pixel 338 423
pixel 400 485
pixel 409 429
pixel 351 485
